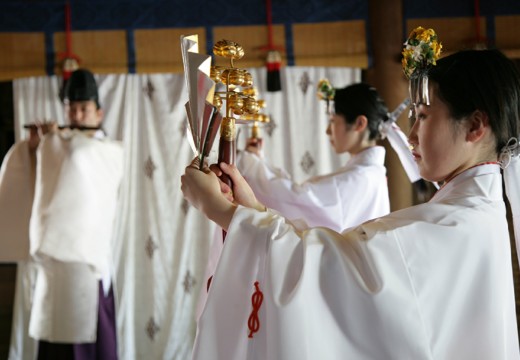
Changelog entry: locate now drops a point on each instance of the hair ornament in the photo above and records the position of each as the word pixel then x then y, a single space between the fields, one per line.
pixel 326 92
pixel 510 150
pixel 420 53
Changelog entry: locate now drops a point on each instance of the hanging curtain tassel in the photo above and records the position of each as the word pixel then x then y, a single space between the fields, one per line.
pixel 274 62
pixel 70 60
pixel 274 58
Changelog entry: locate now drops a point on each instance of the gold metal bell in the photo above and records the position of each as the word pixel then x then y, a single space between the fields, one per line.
pixel 215 74
pixel 228 49
pixel 235 102
pixel 248 79
pixel 217 101
pixel 250 105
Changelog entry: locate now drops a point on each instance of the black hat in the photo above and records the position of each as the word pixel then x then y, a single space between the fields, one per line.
pixel 81 86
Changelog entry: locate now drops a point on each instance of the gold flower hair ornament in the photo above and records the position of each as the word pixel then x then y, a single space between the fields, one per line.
pixel 326 92
pixel 421 51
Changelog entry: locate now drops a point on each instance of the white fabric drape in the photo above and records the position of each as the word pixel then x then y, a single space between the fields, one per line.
pixel 162 244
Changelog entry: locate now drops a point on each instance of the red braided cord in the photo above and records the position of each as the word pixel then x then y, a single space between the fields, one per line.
pixel 253 323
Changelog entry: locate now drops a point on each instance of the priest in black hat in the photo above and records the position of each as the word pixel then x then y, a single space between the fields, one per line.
pixel 71 218
pixel 82 100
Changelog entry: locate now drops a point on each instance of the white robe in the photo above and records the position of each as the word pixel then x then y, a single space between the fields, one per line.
pixel 77 181
pixel 17 176
pixel 433 281
pixel 347 197
pixel 22 346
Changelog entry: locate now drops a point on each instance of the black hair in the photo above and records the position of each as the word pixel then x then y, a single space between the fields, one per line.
pixel 484 80
pixel 361 99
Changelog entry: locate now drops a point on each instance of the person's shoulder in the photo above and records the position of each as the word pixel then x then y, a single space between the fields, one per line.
pixel 360 173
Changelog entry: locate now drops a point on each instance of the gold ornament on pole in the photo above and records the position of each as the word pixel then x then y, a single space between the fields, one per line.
pixel 236 96
pixel 255 120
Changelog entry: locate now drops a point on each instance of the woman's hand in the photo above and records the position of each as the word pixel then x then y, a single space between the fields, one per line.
pixel 202 189
pixel 241 193
pixel 254 145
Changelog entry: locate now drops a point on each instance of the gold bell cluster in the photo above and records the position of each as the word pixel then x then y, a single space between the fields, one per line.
pixel 258 118
pixel 238 101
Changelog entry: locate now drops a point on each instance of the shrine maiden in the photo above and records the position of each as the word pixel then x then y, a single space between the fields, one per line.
pixel 433 281
pixel 329 200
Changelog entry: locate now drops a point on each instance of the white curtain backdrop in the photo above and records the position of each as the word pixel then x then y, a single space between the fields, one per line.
pixel 161 243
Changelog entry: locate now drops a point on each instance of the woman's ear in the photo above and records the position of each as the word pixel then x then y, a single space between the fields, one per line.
pixel 361 123
pixel 478 125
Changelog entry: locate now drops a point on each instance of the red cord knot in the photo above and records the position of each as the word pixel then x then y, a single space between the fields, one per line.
pixel 253 323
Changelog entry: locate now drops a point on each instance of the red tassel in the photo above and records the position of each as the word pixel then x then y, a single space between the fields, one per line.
pixel 274 59
pixel 253 323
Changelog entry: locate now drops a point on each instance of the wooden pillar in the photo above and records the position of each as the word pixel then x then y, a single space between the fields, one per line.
pixel 386 75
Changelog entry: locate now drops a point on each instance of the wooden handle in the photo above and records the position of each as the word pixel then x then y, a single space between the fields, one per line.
pixel 226 153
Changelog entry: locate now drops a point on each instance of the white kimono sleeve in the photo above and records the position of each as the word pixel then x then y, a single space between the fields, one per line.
pixel 318 203
pixel 77 186
pixel 16 198
pixel 316 303
pixel 512 187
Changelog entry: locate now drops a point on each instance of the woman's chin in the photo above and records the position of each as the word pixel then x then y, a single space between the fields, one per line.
pixel 428 176
pixel 425 174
